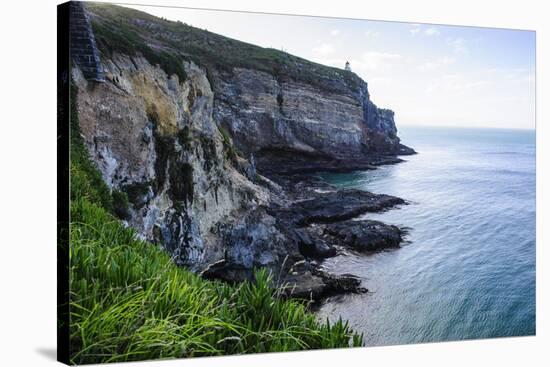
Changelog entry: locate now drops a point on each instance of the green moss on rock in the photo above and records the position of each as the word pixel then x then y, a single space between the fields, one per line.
pixel 181 182
pixel 184 137
pixel 229 149
pixel 137 192
pixel 210 157
pixel 120 204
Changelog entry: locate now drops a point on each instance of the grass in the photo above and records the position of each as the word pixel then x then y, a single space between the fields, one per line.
pixel 130 31
pixel 129 301
pixel 125 40
pixel 231 152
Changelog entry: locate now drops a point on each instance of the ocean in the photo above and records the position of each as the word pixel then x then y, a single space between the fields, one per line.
pixel 467 268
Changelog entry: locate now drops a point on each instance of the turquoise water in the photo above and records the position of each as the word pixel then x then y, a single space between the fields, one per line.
pixel 468 267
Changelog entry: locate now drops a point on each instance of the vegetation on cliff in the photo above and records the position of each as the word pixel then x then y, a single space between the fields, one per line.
pixel 164 42
pixel 128 301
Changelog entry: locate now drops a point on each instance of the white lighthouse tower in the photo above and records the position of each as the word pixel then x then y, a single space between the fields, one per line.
pixel 347 67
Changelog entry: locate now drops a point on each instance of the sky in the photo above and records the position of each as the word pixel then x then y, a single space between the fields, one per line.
pixel 427 74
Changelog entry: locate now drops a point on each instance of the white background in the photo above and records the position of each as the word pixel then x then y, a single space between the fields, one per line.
pixel 28 183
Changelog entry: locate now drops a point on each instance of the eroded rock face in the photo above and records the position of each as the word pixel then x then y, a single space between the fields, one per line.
pixel 257 240
pixel 266 112
pixel 154 138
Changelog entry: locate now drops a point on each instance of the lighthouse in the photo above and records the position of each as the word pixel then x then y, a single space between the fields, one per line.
pixel 347 67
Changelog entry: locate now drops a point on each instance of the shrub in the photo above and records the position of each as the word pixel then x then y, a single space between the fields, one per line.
pixel 120 204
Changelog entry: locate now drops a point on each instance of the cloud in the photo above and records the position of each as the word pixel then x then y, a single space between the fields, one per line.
pixel 335 32
pixel 374 60
pixel 415 28
pixel 378 81
pixel 324 49
pixel 476 84
pixel 458 45
pixel 419 29
pixel 456 84
pixel 368 62
pixel 435 64
pixel 372 34
pixel 514 75
pixel 432 32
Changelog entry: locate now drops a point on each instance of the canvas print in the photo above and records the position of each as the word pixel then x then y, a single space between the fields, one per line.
pixel 249 183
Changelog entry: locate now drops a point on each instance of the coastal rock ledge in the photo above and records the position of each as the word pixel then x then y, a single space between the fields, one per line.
pixel 214 142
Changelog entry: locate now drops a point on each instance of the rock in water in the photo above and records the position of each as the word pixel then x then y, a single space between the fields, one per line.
pixel 336 206
pixel 364 235
pixel 316 284
pixel 315 248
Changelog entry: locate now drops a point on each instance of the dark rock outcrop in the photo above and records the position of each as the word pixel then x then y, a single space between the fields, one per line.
pixel 313 247
pixel 337 206
pixel 259 240
pixel 303 280
pixel 286 162
pixel 364 235
pixel 317 284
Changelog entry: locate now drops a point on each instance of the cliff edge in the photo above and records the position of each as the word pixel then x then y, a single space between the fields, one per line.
pixel 200 133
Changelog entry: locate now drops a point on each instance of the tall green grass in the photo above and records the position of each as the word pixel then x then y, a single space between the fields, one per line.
pixel 129 301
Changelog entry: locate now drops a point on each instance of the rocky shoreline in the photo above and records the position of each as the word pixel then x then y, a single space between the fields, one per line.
pixel 319 221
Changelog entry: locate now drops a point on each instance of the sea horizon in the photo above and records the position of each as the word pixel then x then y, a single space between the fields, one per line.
pixel 473 127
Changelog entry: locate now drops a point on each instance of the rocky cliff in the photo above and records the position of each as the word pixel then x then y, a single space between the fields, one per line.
pixel 185 116
pixel 154 138
pixel 265 112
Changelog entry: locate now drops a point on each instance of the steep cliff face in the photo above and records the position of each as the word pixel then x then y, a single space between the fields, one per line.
pixel 154 138
pixel 183 113
pixel 263 111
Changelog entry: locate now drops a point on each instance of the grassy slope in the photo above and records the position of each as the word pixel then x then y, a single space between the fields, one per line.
pixel 128 301
pixel 130 31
